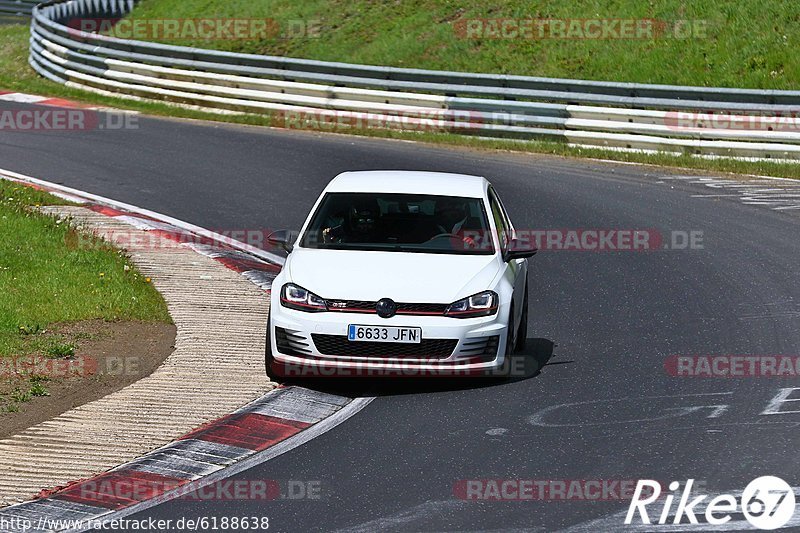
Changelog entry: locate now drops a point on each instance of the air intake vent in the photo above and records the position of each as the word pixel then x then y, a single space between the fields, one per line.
pixel 484 347
pixel 291 342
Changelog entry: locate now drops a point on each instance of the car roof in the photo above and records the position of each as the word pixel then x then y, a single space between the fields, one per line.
pixel 409 181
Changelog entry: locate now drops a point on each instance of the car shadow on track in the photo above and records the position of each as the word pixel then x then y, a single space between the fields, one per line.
pixel 526 365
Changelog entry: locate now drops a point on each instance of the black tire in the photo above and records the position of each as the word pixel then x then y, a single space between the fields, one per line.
pixel 511 333
pixel 522 332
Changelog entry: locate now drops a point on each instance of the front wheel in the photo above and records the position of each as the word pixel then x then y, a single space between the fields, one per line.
pixel 511 332
pixel 522 332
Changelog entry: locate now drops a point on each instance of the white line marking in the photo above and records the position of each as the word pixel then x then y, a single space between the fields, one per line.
pixel 712 195
pixel 538 418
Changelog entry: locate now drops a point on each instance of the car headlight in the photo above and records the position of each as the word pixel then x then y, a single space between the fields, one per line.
pixel 481 304
pixel 298 298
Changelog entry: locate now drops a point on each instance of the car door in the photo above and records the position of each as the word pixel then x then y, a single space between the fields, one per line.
pixel 517 269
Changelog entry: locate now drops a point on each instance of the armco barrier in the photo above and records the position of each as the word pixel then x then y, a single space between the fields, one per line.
pixel 17 7
pixel 695 120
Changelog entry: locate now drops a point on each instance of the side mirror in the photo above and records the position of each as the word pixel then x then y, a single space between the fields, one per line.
pixel 519 250
pixel 284 238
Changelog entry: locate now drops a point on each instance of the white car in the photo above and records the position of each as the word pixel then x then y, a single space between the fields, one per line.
pixel 397 273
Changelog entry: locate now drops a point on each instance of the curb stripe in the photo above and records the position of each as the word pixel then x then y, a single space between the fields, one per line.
pixel 350 409
pixel 53 510
pixel 301 395
pixel 249 430
pixel 173 466
pixel 24 98
pixel 183 466
pixel 61 102
pixel 259 278
pixel 193 466
pixel 214 453
pixel 286 407
pixel 105 490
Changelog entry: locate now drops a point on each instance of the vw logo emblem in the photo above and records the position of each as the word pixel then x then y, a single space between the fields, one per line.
pixel 386 308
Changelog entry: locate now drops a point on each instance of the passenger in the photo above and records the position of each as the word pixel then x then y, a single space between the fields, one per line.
pixel 451 215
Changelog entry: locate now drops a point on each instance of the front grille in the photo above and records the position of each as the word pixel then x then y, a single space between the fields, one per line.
pixel 351 306
pixel 361 306
pixel 427 309
pixel 291 342
pixel 427 349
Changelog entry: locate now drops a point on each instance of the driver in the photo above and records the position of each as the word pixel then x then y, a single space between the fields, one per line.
pixel 452 215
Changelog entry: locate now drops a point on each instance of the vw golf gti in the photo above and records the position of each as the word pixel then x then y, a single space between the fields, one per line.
pixel 399 270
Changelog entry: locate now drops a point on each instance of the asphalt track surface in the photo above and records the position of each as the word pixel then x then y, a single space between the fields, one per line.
pixel 609 319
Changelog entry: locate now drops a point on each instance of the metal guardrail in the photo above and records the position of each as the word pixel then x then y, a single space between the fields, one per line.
pixel 617 115
pixel 17 7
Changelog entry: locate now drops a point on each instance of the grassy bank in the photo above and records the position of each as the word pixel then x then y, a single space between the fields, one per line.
pixel 50 275
pixel 736 43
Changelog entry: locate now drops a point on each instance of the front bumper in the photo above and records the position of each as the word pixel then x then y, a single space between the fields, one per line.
pixel 310 344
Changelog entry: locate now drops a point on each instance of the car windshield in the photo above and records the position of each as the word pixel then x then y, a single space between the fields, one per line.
pixel 400 223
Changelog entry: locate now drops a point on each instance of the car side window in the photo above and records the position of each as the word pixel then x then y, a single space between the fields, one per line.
pixel 500 221
pixel 507 219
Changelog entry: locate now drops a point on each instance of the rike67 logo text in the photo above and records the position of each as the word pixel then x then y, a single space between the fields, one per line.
pixel 767 502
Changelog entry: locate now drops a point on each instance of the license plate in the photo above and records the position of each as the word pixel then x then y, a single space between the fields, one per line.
pixel 358 333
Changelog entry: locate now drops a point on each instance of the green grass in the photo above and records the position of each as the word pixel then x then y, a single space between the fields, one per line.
pixel 62 349
pixel 46 278
pixel 743 43
pixel 15 74
pixel 24 391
